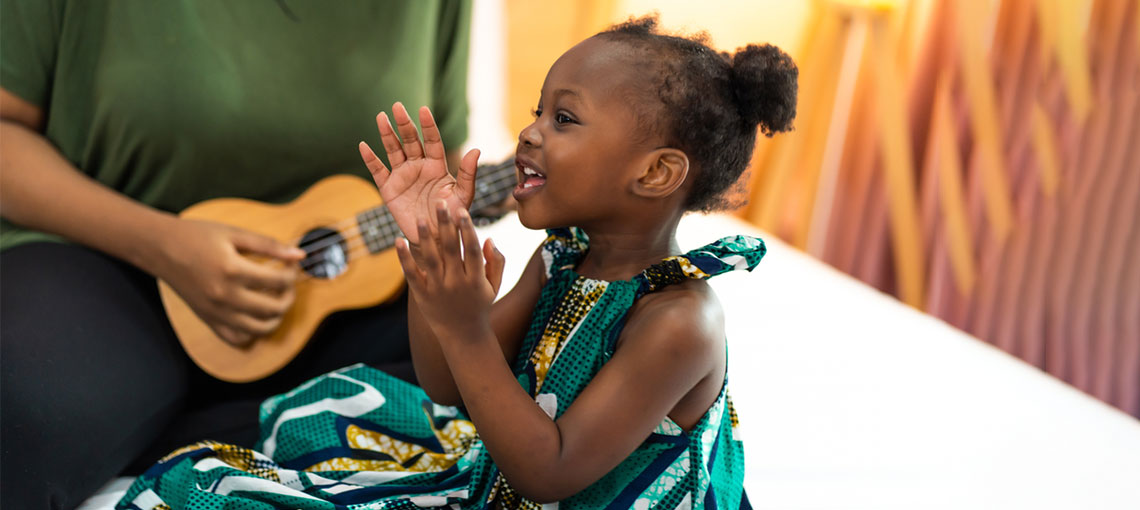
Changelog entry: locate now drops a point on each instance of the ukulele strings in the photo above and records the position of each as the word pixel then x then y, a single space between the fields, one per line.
pixel 496 183
pixel 383 220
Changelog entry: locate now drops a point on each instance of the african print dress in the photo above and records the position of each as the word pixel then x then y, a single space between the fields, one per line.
pixel 357 438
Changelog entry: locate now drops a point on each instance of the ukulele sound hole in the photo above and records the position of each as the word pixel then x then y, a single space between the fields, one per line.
pixel 326 253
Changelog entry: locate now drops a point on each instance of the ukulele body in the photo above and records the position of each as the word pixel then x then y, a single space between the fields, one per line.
pixel 342 273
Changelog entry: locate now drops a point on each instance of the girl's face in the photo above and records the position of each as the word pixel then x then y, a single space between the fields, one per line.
pixel 579 159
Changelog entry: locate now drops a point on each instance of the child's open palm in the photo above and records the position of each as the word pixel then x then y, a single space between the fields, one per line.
pixel 454 280
pixel 419 176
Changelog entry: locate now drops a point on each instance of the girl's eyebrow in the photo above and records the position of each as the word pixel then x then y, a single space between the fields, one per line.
pixel 566 92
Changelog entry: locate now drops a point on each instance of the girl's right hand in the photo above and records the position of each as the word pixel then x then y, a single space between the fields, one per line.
pixel 210 266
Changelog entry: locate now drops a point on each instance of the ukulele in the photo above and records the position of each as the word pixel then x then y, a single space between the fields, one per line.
pixel 348 237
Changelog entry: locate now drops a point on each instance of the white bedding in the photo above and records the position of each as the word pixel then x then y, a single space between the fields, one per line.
pixel 849 399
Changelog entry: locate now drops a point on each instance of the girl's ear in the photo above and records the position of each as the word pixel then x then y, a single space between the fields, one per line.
pixel 666 171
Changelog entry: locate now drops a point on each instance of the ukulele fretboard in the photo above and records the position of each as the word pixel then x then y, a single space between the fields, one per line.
pixel 379 230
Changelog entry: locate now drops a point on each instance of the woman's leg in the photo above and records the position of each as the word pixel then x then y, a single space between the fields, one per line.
pixel 91 372
pixel 227 412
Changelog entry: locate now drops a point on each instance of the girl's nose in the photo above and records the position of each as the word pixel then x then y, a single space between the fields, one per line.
pixel 530 136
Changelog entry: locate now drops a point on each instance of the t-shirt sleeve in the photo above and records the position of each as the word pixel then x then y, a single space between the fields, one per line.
pixel 29 39
pixel 450 97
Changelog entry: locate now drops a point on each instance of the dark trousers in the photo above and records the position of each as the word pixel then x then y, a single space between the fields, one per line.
pixel 93 382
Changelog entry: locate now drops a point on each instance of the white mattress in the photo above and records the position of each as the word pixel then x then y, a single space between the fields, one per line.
pixel 849 399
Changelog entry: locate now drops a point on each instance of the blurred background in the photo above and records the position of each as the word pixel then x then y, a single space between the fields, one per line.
pixel 977 159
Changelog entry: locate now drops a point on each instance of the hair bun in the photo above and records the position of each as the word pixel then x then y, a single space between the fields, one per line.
pixel 764 83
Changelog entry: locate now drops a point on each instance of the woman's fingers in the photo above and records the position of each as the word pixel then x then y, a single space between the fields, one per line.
pixel 472 257
pixel 254 326
pixel 433 143
pixel 240 329
pixel 250 242
pixel 375 166
pixel 408 133
pixel 391 142
pixel 262 305
pixel 232 336
pixel 262 276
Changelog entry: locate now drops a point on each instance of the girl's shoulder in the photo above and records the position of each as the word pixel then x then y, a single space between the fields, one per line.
pixel 686 310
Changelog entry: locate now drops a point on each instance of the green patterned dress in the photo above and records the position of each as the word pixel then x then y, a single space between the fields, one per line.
pixel 357 438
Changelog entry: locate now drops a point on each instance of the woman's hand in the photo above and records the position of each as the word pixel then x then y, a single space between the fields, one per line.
pixel 447 275
pixel 419 176
pixel 240 298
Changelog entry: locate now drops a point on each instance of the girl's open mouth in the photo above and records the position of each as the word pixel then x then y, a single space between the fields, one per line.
pixel 530 180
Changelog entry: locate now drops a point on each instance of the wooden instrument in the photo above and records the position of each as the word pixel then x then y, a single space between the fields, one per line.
pixel 348 236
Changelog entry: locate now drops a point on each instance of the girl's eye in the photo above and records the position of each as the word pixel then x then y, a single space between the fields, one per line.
pixel 537 112
pixel 562 118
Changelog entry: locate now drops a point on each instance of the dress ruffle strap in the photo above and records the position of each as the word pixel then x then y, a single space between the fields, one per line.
pixel 726 254
pixel 564 248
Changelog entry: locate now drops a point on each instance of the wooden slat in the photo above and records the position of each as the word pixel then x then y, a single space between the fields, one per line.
pixel 898 166
pixel 1127 296
pixel 814 227
pixel 1101 265
pixel 768 154
pixel 826 111
pixel 1044 146
pixel 851 217
pixel 945 145
pixel 1045 229
pixel 1016 69
pixel 984 118
pixel 1070 293
pixel 1109 342
pixel 784 161
pixel 1047 32
pixel 1071 56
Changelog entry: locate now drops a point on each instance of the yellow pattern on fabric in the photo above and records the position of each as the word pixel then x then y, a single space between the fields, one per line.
pixel 732 413
pixel 574 307
pixel 689 269
pixel 235 456
pixel 455 437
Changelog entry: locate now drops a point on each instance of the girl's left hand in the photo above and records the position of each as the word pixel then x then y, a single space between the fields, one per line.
pixel 446 271
pixel 419 175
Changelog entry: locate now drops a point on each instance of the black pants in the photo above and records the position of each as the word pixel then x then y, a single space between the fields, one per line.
pixel 95 384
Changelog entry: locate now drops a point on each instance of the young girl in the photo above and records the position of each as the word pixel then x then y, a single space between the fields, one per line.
pixel 599 380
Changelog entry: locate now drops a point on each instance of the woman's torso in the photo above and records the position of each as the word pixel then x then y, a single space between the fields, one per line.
pixel 175 102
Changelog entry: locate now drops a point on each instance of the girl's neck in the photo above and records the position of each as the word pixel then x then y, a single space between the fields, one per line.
pixel 620 253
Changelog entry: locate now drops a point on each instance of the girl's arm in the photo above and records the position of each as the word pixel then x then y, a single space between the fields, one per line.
pixel 671 344
pixel 509 318
pixel 419 179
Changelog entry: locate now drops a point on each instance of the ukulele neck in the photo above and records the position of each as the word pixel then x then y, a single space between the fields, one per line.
pixel 379 230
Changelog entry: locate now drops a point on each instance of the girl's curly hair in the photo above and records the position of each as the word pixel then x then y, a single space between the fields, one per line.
pixel 709 104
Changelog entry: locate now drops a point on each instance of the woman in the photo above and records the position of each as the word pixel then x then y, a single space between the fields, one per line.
pixel 117 115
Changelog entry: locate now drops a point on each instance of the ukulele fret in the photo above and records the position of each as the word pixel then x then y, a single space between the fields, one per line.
pixel 377 229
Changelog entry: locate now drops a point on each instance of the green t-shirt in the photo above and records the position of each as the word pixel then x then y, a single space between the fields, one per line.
pixel 177 101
